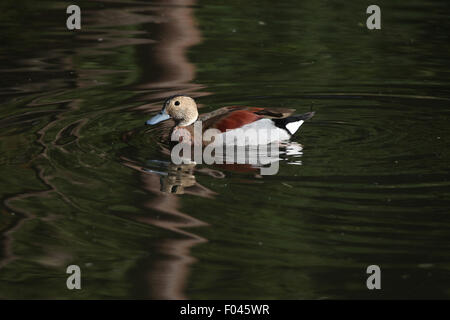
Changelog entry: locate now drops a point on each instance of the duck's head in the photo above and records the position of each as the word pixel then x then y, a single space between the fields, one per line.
pixel 182 109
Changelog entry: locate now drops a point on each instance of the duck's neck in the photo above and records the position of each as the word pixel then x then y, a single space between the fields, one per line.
pixel 186 123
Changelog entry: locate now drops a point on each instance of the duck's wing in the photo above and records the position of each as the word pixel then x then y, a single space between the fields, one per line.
pixel 233 117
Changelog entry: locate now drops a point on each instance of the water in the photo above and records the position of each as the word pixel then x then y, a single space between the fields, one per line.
pixel 81 177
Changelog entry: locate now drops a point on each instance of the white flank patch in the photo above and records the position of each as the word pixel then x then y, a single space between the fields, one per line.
pixel 259 132
pixel 293 126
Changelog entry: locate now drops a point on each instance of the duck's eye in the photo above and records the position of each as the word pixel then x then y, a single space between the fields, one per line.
pixel 177 103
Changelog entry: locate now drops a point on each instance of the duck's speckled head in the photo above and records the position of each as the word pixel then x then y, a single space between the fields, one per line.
pixel 182 109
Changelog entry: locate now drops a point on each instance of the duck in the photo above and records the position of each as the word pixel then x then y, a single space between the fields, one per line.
pixel 182 110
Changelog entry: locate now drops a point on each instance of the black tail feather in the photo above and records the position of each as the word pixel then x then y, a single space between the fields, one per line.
pixel 282 123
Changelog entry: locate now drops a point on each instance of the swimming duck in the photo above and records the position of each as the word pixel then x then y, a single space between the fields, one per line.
pixel 182 110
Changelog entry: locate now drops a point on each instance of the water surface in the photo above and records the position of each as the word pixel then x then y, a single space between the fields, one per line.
pixel 84 182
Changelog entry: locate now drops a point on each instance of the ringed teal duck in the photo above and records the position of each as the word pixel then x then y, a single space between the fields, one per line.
pixel 183 111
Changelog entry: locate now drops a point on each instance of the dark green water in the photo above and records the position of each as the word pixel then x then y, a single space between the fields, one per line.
pixel 81 176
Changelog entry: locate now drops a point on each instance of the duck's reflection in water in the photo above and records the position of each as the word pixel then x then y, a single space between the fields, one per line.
pixel 167 275
pixel 180 179
pixel 168 182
